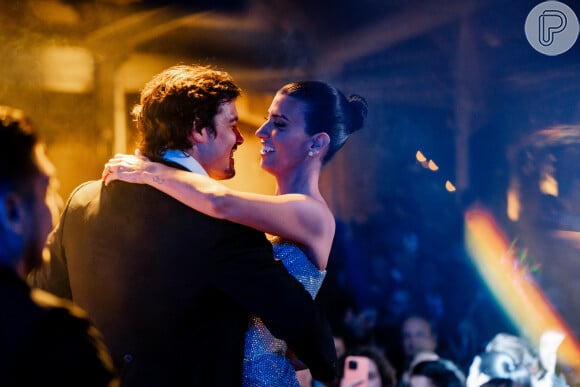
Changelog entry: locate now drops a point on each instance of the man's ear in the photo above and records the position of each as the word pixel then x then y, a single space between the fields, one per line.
pixel 198 137
pixel 320 142
pixel 12 213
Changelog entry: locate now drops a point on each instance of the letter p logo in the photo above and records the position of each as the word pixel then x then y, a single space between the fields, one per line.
pixel 551 28
pixel 551 22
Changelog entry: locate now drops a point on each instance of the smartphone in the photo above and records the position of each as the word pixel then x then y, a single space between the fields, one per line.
pixel 356 368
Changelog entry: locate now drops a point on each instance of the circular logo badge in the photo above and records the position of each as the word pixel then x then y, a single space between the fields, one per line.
pixel 552 28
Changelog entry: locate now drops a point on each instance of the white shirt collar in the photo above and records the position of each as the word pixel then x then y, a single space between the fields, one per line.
pixel 182 158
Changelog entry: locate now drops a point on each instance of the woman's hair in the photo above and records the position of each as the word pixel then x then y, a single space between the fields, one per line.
pixel 328 110
pixel 386 370
pixel 441 372
pixel 174 100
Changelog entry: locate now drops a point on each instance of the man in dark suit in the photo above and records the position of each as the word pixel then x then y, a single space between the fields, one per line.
pixel 170 288
pixel 43 340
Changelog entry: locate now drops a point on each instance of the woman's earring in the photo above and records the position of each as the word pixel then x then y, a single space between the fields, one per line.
pixel 312 152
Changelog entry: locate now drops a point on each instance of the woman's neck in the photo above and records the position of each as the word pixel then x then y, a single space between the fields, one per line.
pixel 302 183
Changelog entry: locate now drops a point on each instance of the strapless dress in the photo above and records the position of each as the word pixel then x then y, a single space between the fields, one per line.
pixel 265 361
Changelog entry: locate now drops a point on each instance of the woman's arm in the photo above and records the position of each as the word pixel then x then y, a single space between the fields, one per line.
pixel 296 217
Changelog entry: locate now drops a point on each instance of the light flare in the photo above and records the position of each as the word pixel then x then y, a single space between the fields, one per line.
pixel 513 286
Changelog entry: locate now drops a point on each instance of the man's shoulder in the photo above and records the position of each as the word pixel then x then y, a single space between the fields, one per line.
pixel 40 311
pixel 63 345
pixel 87 189
pixel 50 303
pixel 93 191
pixel 88 185
pixel 59 315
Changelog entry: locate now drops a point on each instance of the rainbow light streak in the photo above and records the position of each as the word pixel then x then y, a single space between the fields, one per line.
pixel 511 284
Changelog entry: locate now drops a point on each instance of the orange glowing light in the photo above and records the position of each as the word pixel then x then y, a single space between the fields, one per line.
pixel 420 157
pixel 433 166
pixel 449 186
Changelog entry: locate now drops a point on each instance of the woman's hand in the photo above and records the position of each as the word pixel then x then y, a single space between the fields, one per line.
pixel 127 168
pixel 297 363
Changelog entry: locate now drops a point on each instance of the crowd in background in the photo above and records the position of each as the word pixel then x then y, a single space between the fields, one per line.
pixel 414 298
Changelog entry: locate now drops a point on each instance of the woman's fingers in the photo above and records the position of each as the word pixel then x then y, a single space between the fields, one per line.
pixel 124 167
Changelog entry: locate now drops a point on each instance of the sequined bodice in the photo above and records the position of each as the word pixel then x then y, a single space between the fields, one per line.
pixel 298 264
pixel 265 363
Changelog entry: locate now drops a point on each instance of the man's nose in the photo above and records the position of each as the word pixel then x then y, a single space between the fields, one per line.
pixel 239 137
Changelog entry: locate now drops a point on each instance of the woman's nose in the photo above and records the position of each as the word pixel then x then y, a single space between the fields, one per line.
pixel 262 130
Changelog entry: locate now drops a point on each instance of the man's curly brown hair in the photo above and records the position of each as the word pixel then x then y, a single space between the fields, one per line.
pixel 176 99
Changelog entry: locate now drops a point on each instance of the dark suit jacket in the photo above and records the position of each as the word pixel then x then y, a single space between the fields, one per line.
pixel 171 289
pixel 45 341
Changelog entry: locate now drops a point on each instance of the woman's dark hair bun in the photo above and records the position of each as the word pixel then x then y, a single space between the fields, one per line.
pixel 359 110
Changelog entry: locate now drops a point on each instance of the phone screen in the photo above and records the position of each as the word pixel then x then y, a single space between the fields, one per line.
pixel 356 368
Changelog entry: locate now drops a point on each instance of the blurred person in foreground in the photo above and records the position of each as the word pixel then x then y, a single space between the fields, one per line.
pixel 172 289
pixel 43 340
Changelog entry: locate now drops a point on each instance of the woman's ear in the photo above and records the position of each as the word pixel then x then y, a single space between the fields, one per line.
pixel 320 142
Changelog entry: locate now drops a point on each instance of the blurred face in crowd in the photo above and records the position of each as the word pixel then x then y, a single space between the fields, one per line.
pixel 339 346
pixel 417 337
pixel 420 381
pixel 374 375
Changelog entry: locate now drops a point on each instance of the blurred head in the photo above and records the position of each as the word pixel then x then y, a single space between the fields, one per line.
pixel 308 119
pixel 436 373
pixel 381 372
pixel 423 356
pixel 418 358
pixel 507 360
pixel 25 212
pixel 192 109
pixel 418 335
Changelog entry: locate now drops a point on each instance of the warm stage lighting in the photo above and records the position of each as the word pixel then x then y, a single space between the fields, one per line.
pixel 449 186
pixel 432 166
pixel 513 204
pixel 67 69
pixel 420 157
pixel 549 185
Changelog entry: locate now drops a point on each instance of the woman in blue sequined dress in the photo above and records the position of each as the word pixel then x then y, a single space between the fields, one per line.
pixel 307 123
